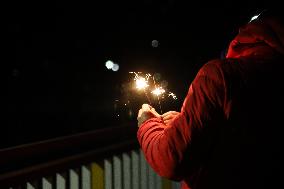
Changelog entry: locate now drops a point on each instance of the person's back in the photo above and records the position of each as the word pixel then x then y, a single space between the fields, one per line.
pixel 228 134
pixel 244 150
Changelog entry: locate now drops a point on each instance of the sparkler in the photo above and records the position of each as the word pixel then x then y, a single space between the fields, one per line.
pixel 143 83
pixel 158 91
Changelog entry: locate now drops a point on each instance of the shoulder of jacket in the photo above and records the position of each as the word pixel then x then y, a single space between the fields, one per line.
pixel 216 63
pixel 212 66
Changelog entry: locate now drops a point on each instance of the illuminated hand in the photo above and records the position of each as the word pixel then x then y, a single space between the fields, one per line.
pixel 145 113
pixel 169 116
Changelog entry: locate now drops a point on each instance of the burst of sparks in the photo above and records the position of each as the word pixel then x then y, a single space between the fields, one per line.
pixel 141 82
pixel 172 95
pixel 158 91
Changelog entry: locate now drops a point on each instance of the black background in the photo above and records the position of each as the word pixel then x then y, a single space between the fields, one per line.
pixel 54 79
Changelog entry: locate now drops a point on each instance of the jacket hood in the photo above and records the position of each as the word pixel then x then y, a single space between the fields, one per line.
pixel 266 31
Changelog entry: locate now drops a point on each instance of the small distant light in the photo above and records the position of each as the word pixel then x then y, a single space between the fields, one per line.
pixel 130 113
pixel 155 43
pixel 15 73
pixel 125 104
pixel 109 64
pixel 115 67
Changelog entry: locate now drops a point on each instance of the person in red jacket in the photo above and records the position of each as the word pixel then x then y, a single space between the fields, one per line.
pixel 228 131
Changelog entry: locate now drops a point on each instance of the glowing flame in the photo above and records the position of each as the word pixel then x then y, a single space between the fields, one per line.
pixel 141 83
pixel 158 91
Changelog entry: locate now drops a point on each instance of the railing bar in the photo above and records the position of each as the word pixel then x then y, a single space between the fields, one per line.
pixel 151 178
pixel 74 179
pixel 143 172
pixel 46 183
pixel 30 186
pixel 126 171
pixel 135 169
pixel 60 181
pixel 22 156
pixel 108 174
pixel 21 175
pixel 86 177
pixel 158 181
pixel 117 172
pixel 97 174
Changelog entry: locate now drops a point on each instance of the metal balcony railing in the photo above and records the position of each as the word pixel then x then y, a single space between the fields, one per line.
pixel 103 159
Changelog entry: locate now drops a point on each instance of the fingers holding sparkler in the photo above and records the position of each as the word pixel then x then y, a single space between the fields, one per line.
pixel 169 116
pixel 145 113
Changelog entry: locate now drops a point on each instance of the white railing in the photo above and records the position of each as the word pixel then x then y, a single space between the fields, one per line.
pixel 95 163
pixel 128 170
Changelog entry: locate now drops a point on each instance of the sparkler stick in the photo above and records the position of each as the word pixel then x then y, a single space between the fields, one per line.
pixel 158 92
pixel 147 97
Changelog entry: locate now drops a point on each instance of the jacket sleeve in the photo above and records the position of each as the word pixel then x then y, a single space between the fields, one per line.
pixel 165 146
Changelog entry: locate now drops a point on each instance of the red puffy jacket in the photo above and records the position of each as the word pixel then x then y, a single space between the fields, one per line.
pixel 227 134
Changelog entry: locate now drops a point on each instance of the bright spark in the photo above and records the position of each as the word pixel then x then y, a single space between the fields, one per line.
pixel 254 17
pixel 172 95
pixel 141 82
pixel 158 91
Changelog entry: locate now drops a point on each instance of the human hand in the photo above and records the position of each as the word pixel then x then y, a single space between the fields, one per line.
pixel 169 116
pixel 145 113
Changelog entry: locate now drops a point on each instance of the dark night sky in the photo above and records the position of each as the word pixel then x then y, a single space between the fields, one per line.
pixel 55 80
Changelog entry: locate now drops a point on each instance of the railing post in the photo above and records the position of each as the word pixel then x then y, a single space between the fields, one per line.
pixel 126 171
pixel 135 169
pixel 46 183
pixel 117 171
pixel 60 181
pixel 74 179
pixel 97 176
pixel 108 180
pixel 85 177
pixel 143 172
pixel 30 186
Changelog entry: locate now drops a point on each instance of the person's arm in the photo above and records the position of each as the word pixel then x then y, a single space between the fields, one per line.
pixel 165 146
pixel 169 116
